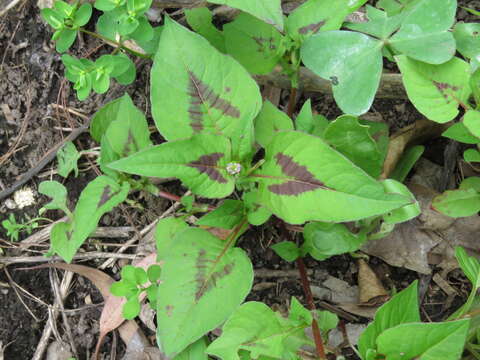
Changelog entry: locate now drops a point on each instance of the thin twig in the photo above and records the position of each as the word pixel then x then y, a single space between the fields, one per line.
pixel 7 260
pixel 15 287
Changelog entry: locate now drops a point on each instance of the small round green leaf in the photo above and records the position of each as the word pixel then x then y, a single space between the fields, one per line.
pixel 83 14
pixel 120 288
pixel 140 276
pixel 131 308
pixel 471 155
pixel 128 273
pixel 472 182
pixel 154 272
pixel 66 39
pixel 287 250
pixel 467 36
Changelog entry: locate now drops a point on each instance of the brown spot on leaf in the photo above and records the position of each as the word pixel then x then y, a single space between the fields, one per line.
pixel 106 196
pixel 169 310
pixel 206 281
pixel 314 28
pixel 131 144
pixel 303 180
pixel 202 94
pixel 264 42
pixel 207 164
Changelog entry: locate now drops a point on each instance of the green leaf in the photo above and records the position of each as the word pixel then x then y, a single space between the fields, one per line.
pixel 444 341
pixel 471 155
pixel 196 89
pixel 471 120
pixel 304 179
pixel 141 277
pixel 353 140
pixel 269 121
pixel 100 196
pixel 254 44
pixel 318 15
pixel 323 240
pixel 401 308
pixel 351 61
pixel 57 192
pixel 66 39
pixel 82 15
pixel 131 308
pixel 53 18
pixel 167 229
pixel 424 28
pixel 144 32
pixel 393 7
pixel 229 214
pixel 124 126
pixel 406 163
pixel 199 162
pixel 256 213
pixel 195 351
pixel 128 273
pixel 150 47
pixel 379 25
pixel 200 20
pixel 459 132
pixel 67 158
pixel 108 5
pixel 269 11
pixel 436 90
pixel 405 213
pixel 470 266
pixel 287 250
pixel 256 328
pixel 467 36
pixel 154 272
pixel 457 203
pixel 327 321
pixel 203 281
pixel 122 288
pixel 470 183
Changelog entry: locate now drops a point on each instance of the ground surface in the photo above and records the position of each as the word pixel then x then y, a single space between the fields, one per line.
pixel 35 94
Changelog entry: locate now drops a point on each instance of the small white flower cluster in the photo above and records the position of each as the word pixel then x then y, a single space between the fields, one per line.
pixel 234 168
pixel 21 198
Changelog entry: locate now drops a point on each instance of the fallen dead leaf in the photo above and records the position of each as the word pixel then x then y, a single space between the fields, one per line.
pixel 372 292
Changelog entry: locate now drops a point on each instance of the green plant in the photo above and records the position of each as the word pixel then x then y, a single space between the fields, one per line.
pixel 133 283
pixel 223 140
pixel 13 228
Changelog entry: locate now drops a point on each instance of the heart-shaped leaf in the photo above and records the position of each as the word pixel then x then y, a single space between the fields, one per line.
pixel 200 162
pixel 351 61
pixel 424 34
pixel 305 179
pixel 436 90
pixel 203 282
pixel 196 89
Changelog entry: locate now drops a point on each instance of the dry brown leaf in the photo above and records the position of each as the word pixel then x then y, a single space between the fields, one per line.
pixel 431 235
pixel 372 292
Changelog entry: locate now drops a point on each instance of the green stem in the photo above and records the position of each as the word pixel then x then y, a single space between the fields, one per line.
pixel 119 45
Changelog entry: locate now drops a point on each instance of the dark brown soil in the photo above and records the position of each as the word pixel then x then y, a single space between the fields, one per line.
pixel 31 85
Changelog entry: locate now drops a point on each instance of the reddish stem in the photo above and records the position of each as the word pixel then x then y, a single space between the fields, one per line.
pixel 292 102
pixel 317 336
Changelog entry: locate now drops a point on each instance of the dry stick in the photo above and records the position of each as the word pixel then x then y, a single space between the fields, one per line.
pixel 49 156
pixel 391 86
pixel 52 318
pixel 7 260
